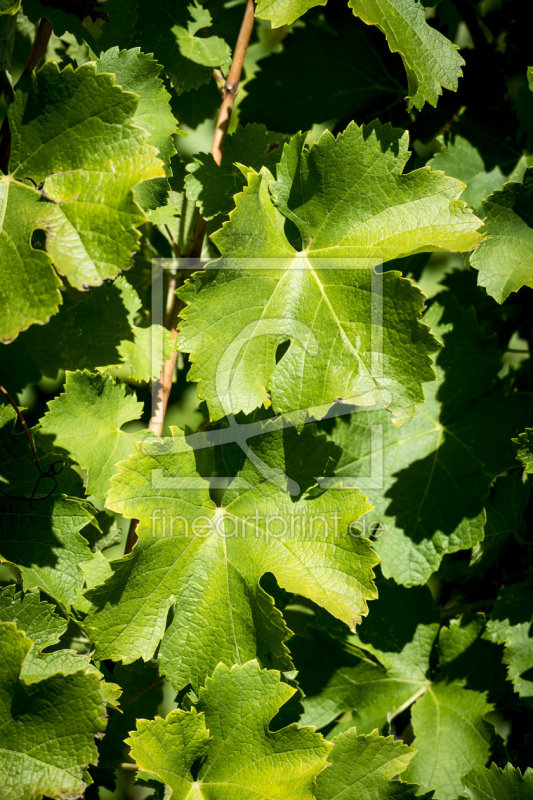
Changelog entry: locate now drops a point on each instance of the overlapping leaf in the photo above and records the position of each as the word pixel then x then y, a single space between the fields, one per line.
pixel 344 87
pixel 105 405
pixel 172 32
pixel 40 536
pixel 139 73
pixel 451 736
pixel 229 730
pixel 462 160
pixel 44 627
pixel 48 728
pixel 399 633
pixel 101 332
pixel 346 199
pixel 363 768
pixel 207 561
pixel 498 784
pixel 510 624
pixel 431 61
pixel 505 260
pixel 428 481
pixel 524 449
pixel 212 187
pixel 283 12
pixel 75 158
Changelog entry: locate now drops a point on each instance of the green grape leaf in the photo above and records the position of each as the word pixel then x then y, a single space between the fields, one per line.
pixel 400 633
pixel 509 624
pixel 363 768
pixel 347 217
pixel 40 536
pixel 524 449
pixel 44 627
pixel 8 26
pixel 44 543
pixel 101 333
pixel 117 29
pixel 48 731
pixel 462 160
pixel 284 12
pixel 73 166
pixel 169 30
pixel 138 72
pixel 212 187
pixel 431 61
pixel 104 405
pixel 19 475
pixel 451 738
pixel 458 442
pixel 312 296
pixel 505 260
pixel 37 619
pixel 464 655
pixel 229 729
pixel 343 88
pixel 78 20
pixel 225 615
pixel 505 511
pixel 498 784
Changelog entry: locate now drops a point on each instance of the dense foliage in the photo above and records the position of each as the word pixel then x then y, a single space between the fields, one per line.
pixel 266 416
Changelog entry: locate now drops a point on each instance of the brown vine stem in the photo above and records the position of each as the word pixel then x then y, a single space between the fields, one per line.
pixel 39 46
pixel 163 386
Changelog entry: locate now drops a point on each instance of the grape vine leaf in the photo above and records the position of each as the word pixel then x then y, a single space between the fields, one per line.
pixel 524 449
pixel 462 160
pixel 117 30
pixel 139 73
pixel 510 624
pixel 48 731
pixel 431 61
pixel 284 12
pixel 45 544
pixel 505 260
pixel 225 615
pixel 8 24
pixel 363 768
pixel 458 442
pixel 348 200
pixel 212 187
pixel 81 20
pixel 105 405
pixel 44 627
pixel 101 333
pixel 465 655
pixel 343 88
pixel 451 737
pixel 169 31
pixel 229 730
pixel 447 717
pixel 498 784
pixel 76 157
pixel 505 512
pixel 399 634
pixel 41 537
